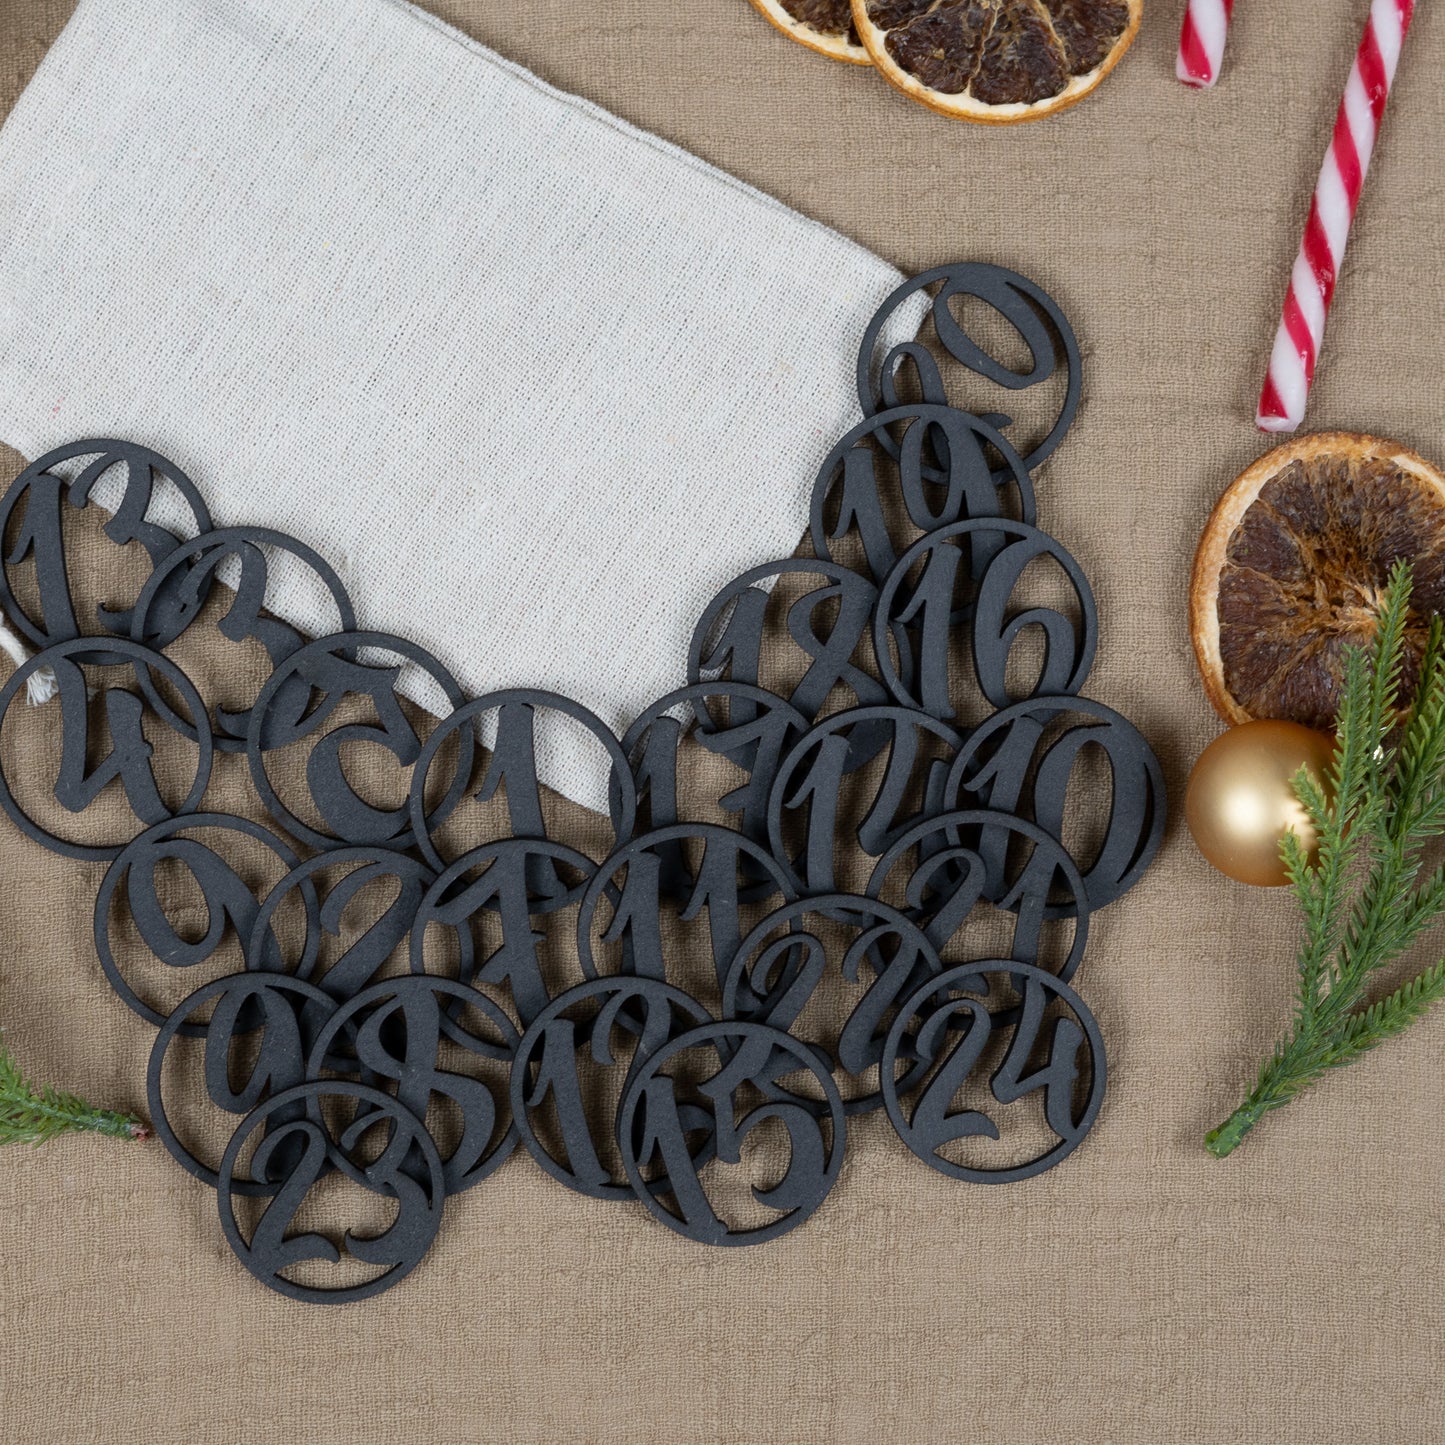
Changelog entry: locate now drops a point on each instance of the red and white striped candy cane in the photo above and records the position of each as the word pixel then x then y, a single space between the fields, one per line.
pixel 1322 252
pixel 1201 41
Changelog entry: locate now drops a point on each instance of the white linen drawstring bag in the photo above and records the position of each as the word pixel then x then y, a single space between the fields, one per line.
pixel 536 383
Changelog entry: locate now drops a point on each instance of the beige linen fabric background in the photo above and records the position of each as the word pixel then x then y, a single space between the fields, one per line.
pixel 1142 1292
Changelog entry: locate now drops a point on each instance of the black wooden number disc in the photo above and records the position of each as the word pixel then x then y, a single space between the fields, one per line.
pixel 703 1073
pixel 956 863
pixel 1030 760
pixel 1034 315
pixel 513 885
pixel 197 842
pixel 859 955
pixel 399 1030
pixel 117 712
pixel 377 886
pixel 307 696
pixel 628 916
pixel 970 572
pixel 603 1026
pixel 1053 1053
pixel 33 514
pixel 941 459
pixel 178 591
pixel 289 1159
pixel 510 772
pixel 257 1029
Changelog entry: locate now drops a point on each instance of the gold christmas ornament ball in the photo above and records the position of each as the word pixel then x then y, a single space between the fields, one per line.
pixel 1241 798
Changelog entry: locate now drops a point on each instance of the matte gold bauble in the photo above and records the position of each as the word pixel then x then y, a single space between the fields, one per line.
pixel 1241 798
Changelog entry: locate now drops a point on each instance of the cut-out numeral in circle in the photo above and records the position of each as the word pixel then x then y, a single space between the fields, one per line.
pixel 503 885
pixel 510 769
pixel 827 624
pixel 943 476
pixel 853 784
pixel 715 1072
pixel 402 1031
pixel 254 1032
pixel 375 887
pixel 627 917
pixel 1032 760
pixel 289 1159
pixel 330 695
pixel 859 957
pixel 209 847
pixel 968 876
pixel 1046 1044
pixel 586 1045
pixel 1030 311
pixel 969 573
pixel 748 726
pixel 32 530
pixel 182 584
pixel 82 785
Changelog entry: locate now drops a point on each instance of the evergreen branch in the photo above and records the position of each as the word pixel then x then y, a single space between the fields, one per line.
pixel 1387 658
pixel 1417 910
pixel 1313 799
pixel 1310 888
pixel 1424 742
pixel 1345 826
pixel 1361 897
pixel 1390 1016
pixel 31 1114
pixel 1383 813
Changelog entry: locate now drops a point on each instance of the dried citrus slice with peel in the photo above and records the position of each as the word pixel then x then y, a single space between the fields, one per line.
pixel 1292 564
pixel 822 25
pixel 997 61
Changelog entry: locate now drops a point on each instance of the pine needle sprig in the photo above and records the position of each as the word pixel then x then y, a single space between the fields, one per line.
pixel 1363 902
pixel 32 1114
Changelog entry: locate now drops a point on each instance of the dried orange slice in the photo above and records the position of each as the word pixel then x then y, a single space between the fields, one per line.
pixel 997 61
pixel 1291 565
pixel 822 25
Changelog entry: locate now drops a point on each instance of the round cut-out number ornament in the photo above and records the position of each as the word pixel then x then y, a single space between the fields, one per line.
pixel 971 572
pixel 181 585
pixel 747 726
pixel 87 780
pixel 1033 760
pixel 597 1034
pixel 213 849
pixel 343 703
pixel 827 623
pixel 1032 314
pixel 626 917
pixel 257 1029
pixel 489 903
pixel 823 959
pixel 514 719
pixel 941 460
pixel 403 1031
pixel 369 898
pixel 963 872
pixel 121 478
pixel 287 1156
pixel 851 786
pixel 1045 1047
pixel 714 1072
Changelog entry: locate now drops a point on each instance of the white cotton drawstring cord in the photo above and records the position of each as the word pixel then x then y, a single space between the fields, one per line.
pixel 40 687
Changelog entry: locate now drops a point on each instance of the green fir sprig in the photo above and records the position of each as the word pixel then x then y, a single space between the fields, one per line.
pixel 1365 895
pixel 30 1114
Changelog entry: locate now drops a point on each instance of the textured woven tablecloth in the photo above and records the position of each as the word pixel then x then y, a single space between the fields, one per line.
pixel 1142 1292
